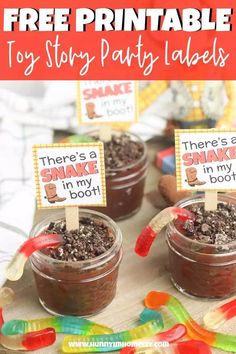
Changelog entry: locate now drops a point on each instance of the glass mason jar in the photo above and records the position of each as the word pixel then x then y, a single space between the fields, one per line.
pixel 77 288
pixel 125 185
pixel 201 270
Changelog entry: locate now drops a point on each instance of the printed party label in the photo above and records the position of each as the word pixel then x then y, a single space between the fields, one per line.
pixel 69 175
pixel 107 102
pixel 206 159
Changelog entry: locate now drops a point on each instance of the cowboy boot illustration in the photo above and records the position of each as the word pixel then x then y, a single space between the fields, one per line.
pixel 90 108
pixel 51 193
pixel 191 174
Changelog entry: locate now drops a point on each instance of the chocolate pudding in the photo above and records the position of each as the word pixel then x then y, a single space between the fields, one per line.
pixel 202 251
pixel 79 277
pixel 91 240
pixel 126 169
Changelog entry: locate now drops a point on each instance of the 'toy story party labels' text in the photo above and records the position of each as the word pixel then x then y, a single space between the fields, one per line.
pixel 139 40
pixel 206 161
pixel 70 175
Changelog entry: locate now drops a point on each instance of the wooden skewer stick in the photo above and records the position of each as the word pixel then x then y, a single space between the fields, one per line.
pixel 72 218
pixel 105 132
pixel 211 200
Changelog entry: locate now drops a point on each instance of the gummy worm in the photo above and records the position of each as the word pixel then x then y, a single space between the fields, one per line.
pixel 6 298
pixel 150 232
pixel 186 347
pixel 170 336
pixel 217 317
pixel 15 269
pixel 61 324
pixel 111 341
pixel 149 315
pixel 30 341
pixel 218 340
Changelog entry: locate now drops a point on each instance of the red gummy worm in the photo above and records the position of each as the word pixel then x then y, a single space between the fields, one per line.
pixel 144 241
pixel 229 309
pixel 182 214
pixel 39 339
pixel 149 233
pixel 193 347
pixel 39 242
pixel 173 334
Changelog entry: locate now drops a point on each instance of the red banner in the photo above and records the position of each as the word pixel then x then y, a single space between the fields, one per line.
pixel 138 40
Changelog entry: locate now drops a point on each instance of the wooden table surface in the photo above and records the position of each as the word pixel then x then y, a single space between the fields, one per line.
pixel 136 278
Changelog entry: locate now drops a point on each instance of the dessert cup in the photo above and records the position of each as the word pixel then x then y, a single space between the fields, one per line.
pixel 198 269
pixel 125 185
pixel 79 288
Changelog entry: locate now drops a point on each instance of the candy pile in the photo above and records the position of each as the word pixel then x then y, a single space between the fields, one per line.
pixel 154 300
pixel 86 336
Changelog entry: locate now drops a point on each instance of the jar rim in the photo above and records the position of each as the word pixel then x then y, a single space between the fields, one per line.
pixel 88 263
pixel 133 164
pixel 194 200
